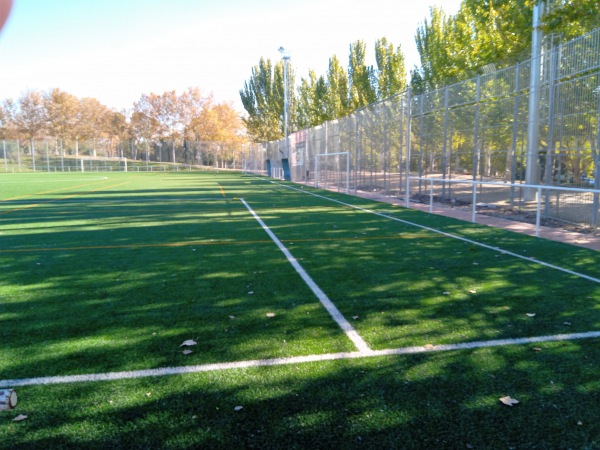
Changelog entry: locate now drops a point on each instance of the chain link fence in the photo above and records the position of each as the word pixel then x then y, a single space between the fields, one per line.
pixel 53 155
pixel 475 130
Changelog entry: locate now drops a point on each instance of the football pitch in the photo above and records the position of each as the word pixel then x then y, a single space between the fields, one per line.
pixel 221 310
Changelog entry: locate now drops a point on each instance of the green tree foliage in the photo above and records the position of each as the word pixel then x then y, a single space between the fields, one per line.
pixel 436 44
pixel 362 81
pixel 313 94
pixel 338 100
pixel 572 18
pixel 483 32
pixel 501 30
pixel 391 69
pixel 262 98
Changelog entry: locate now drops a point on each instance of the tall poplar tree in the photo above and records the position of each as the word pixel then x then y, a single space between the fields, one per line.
pixel 338 101
pixel 391 69
pixel 313 99
pixel 262 98
pixel 361 77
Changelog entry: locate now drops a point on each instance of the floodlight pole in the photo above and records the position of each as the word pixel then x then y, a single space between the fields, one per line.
pixel 286 57
pixel 532 172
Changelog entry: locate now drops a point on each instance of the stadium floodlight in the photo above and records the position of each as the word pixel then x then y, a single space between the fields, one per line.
pixel 8 399
pixel 286 57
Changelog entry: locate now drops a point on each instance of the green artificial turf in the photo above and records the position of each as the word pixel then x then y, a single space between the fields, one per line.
pixel 112 272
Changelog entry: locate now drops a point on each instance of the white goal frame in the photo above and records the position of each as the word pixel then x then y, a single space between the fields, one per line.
pixel 338 171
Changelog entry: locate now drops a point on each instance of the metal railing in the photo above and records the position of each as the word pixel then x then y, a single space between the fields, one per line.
pixel 544 194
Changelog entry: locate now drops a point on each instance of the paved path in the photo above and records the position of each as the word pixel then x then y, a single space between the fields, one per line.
pixel 583 240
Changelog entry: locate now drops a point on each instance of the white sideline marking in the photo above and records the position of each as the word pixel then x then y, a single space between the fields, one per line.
pixel 450 235
pixel 360 344
pixel 111 376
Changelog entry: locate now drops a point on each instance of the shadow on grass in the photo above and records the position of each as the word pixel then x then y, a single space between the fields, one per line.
pixel 442 400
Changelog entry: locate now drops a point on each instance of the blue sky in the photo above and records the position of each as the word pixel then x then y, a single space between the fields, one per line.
pixel 117 50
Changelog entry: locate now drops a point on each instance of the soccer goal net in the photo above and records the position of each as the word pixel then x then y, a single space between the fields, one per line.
pixel 332 171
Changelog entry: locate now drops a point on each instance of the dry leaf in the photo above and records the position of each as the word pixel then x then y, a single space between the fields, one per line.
pixel 508 401
pixel 531 314
pixel 429 346
pixel 473 291
pixel 187 352
pixel 19 418
pixel 148 394
pixel 537 349
pixel 270 314
pixel 238 408
pixel 188 343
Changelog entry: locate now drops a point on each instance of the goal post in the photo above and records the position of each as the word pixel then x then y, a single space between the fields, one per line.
pixel 332 171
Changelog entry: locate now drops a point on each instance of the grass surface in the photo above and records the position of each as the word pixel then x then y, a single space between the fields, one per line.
pixel 105 273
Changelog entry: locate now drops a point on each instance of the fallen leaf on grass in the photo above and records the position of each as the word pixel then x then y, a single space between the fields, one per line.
pixel 355 317
pixel 537 349
pixel 567 324
pixel 232 317
pixel 579 422
pixel 188 343
pixel 473 291
pixel 270 314
pixel 446 293
pixel 508 401
pixel 531 314
pixel 19 418
pixel 238 408
pixel 187 352
pixel 250 292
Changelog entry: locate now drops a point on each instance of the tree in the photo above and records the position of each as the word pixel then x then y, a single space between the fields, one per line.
pixel 313 99
pixel 572 18
pixel 221 125
pixel 391 69
pixel 338 101
pixel 31 118
pixel 361 77
pixel 434 39
pixel 144 121
pixel 7 118
pixel 62 109
pixel 500 31
pixel 118 130
pixel 262 98
pixel 192 103
pixel 93 120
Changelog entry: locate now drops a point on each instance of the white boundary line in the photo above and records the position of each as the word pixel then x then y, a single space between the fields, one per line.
pixel 112 376
pixel 450 235
pixel 360 344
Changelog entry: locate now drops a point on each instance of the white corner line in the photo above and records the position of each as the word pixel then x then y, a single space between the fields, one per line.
pixel 358 341
pixel 165 371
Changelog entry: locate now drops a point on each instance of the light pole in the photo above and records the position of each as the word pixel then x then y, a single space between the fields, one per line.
pixel 286 57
